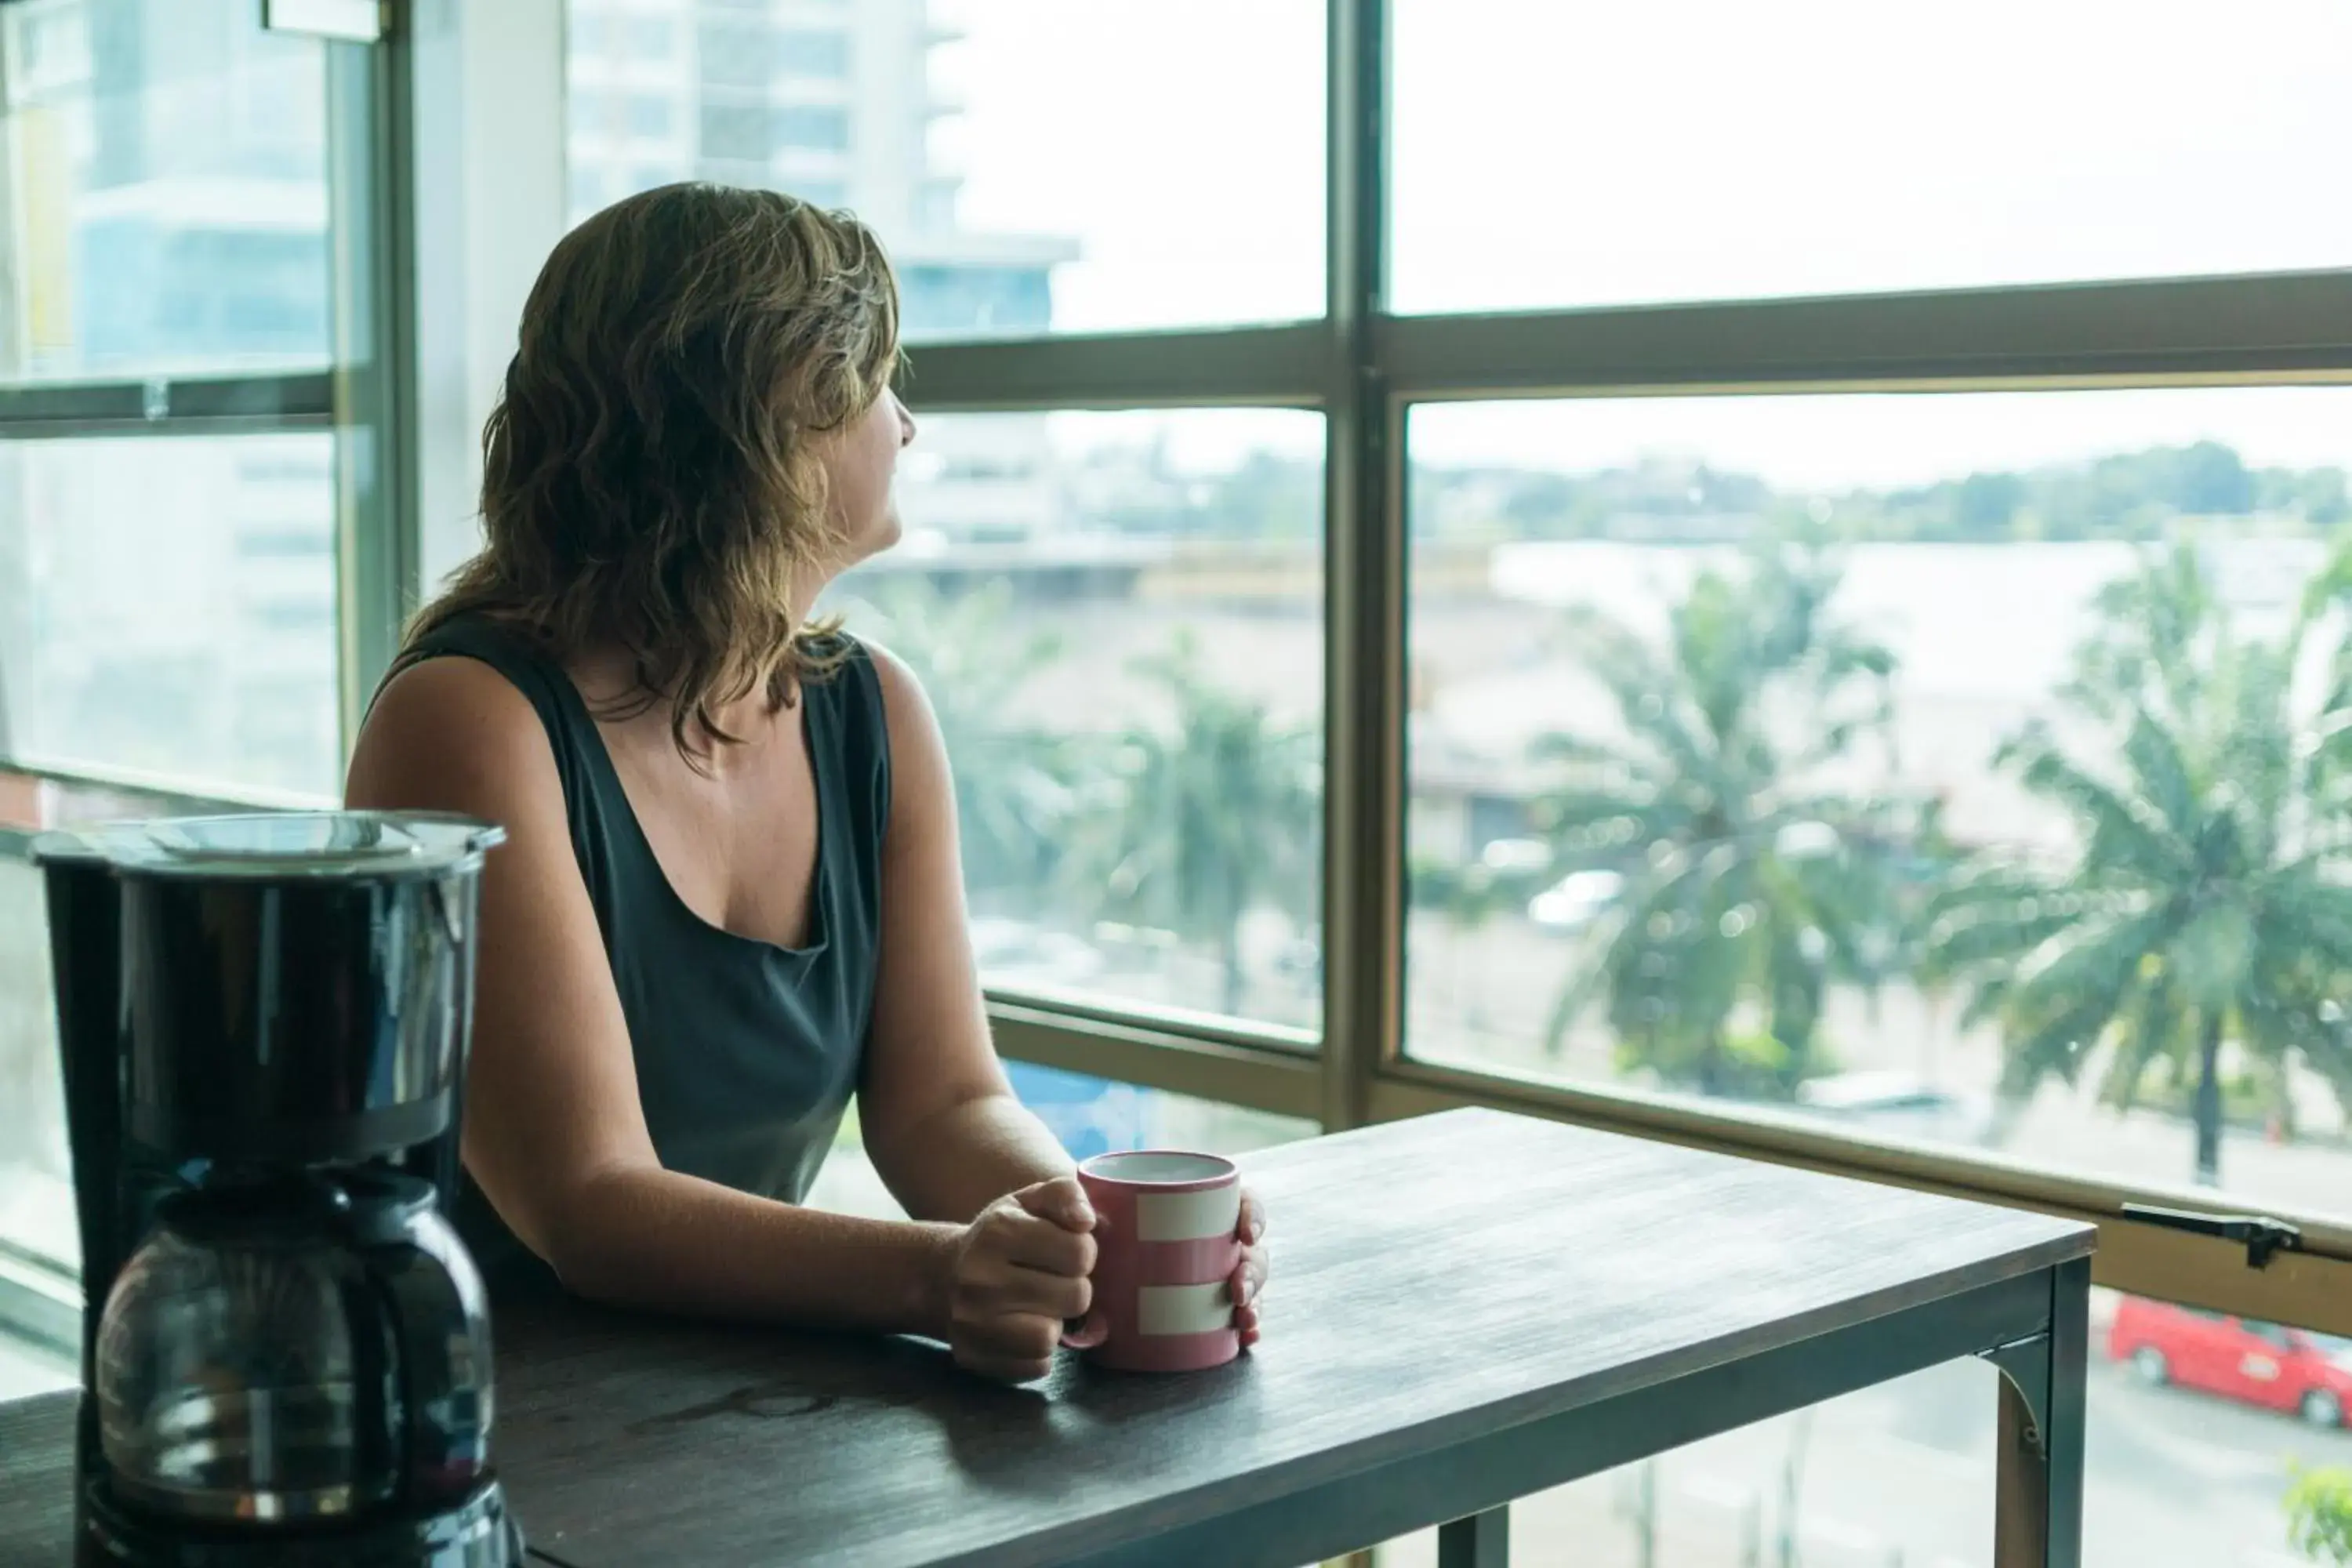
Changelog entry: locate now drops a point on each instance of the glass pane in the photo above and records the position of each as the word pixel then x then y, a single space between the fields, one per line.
pixel 35 1179
pixel 1090 1115
pixel 1901 1476
pixel 1551 156
pixel 1945 767
pixel 166 194
pixel 37 1212
pixel 947 124
pixel 1118 619
pixel 27 1367
pixel 169 606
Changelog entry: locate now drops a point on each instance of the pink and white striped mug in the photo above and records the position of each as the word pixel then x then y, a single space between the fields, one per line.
pixel 1166 1251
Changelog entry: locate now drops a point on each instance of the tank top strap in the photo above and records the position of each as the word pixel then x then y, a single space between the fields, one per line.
pixel 571 729
pixel 849 703
pixel 849 743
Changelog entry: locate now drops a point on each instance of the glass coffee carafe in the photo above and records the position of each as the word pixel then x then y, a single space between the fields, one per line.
pixel 296 1349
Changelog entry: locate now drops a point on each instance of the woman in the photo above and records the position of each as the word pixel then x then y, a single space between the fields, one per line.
pixel 729 897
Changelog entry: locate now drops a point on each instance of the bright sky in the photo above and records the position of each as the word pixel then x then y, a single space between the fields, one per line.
pixel 1557 152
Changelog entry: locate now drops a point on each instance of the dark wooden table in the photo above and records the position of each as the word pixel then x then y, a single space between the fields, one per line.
pixel 1465 1309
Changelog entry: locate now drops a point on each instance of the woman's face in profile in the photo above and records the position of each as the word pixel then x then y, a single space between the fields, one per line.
pixel 862 460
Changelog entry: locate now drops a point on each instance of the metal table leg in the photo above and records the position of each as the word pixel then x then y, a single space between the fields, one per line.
pixel 1481 1541
pixel 2038 1501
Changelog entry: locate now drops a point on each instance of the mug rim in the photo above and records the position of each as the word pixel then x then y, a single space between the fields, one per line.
pixel 1227 1170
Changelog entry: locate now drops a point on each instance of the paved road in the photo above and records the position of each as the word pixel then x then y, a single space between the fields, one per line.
pixel 1485 998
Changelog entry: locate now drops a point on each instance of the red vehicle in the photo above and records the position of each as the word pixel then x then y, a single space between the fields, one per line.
pixel 2259 1363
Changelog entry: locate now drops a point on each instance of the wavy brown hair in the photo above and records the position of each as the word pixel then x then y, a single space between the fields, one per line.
pixel 649 477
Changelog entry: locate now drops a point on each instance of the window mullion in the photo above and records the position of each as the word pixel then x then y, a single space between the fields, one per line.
pixel 167 405
pixel 1363 663
pixel 2282 327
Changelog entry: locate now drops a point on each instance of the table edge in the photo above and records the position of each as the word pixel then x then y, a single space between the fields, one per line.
pixel 2074 1242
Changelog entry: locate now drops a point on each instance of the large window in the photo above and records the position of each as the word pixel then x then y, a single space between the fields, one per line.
pixel 1119 619
pixel 1956 767
pixel 168 594
pixel 1193 196
pixel 1552 154
pixel 166 192
pixel 36 1211
pixel 169 606
pixel 194 455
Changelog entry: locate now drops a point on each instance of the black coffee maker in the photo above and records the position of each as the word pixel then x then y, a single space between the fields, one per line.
pixel 285 1351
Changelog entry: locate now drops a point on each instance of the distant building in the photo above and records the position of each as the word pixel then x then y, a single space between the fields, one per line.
pixel 166 166
pixel 169 603
pixel 834 103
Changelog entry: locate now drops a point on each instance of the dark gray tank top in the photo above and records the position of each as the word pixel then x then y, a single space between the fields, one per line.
pixel 747 1053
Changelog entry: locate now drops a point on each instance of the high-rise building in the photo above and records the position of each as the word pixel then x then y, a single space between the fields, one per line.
pixel 836 103
pixel 164 166
pixel 173 601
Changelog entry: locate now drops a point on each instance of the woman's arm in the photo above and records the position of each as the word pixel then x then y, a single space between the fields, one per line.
pixel 939 1120
pixel 938 1117
pixel 554 1133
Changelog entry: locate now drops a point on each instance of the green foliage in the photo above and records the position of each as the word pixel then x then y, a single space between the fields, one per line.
pixel 2207 901
pixel 1745 891
pixel 1186 820
pixel 2140 496
pixel 1013 779
pixel 1745 1064
pixel 2143 496
pixel 2319 1516
pixel 1191 823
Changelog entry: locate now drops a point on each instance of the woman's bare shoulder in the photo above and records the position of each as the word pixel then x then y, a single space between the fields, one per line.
pixel 451 733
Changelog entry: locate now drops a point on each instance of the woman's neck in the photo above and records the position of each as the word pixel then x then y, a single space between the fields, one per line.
pixel 612 685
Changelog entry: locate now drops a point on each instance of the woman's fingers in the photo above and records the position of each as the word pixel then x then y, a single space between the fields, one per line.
pixel 1016 1348
pixel 1006 1288
pixel 1043 1245
pixel 1063 1201
pixel 1049 1296
pixel 1252 1226
pixel 1249 1276
pixel 1005 1369
pixel 1087 1335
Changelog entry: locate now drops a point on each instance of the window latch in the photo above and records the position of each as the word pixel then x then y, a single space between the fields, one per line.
pixel 2262 1234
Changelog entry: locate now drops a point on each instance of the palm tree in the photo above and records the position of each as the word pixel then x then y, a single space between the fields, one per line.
pixel 1206 818
pixel 2205 900
pixel 1013 778
pixel 1746 885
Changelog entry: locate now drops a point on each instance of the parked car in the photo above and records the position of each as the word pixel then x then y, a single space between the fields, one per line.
pixel 1015 953
pixel 2237 1358
pixel 1897 1103
pixel 1570 903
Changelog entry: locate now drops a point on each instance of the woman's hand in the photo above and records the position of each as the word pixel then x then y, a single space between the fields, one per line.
pixel 1250 1277
pixel 1015 1276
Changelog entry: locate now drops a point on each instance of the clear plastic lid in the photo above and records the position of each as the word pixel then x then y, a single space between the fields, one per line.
pixel 281 844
